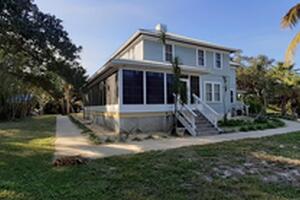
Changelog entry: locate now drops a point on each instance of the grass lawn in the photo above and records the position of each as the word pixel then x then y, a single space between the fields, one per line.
pixel 266 168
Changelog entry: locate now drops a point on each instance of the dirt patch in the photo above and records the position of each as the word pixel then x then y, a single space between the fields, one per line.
pixel 269 171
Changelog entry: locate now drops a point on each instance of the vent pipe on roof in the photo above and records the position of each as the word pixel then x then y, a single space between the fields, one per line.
pixel 161 28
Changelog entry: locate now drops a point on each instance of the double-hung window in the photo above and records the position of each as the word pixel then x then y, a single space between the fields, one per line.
pixel 218 60
pixel 217 92
pixel 201 54
pixel 168 52
pixel 212 92
pixel 208 92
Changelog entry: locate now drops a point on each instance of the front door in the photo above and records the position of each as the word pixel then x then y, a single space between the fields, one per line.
pixel 184 92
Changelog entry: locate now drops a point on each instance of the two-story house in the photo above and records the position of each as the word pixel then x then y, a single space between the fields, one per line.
pixel 133 91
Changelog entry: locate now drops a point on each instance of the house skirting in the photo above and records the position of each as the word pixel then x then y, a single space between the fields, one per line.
pixel 133 122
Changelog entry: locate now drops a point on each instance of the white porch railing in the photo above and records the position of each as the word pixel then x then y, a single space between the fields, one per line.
pixel 207 111
pixel 241 106
pixel 186 116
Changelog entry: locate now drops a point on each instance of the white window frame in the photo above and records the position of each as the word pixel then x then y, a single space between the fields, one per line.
pixel 213 83
pixel 215 60
pixel 197 57
pixel 164 51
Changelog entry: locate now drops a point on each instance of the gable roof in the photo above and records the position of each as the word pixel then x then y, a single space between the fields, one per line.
pixel 169 36
pixel 188 40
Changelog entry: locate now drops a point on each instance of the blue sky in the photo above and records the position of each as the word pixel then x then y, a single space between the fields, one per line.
pixel 100 27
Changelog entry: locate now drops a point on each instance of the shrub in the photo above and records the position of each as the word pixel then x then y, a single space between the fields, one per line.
pixel 260 127
pixel 244 129
pixel 261 120
pixel 251 127
pixel 270 125
pixel 52 107
pixel 232 122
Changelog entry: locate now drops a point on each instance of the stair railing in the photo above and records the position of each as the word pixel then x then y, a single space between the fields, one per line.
pixel 186 116
pixel 209 113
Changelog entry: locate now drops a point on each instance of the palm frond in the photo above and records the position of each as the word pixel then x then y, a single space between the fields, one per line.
pixel 290 52
pixel 292 17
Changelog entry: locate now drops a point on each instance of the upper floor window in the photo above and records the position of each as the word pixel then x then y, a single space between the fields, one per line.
pixel 168 52
pixel 201 58
pixel 218 60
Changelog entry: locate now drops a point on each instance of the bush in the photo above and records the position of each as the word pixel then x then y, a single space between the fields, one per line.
pixel 260 127
pixel 52 107
pixel 270 125
pixel 244 129
pixel 232 122
pixel 261 120
pixel 251 127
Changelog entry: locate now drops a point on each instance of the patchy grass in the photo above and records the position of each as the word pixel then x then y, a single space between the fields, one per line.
pixel 264 168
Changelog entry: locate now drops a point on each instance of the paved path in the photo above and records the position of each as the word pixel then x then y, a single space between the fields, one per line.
pixel 69 141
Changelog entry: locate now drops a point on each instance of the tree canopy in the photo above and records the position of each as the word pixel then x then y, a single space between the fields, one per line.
pixel 36 49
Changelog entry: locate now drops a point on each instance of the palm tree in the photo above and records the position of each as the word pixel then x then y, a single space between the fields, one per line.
pixel 284 86
pixel 289 21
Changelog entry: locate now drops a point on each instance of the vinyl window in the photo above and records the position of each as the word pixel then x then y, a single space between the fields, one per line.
pixel 201 59
pixel 218 60
pixel 208 92
pixel 212 92
pixel 168 52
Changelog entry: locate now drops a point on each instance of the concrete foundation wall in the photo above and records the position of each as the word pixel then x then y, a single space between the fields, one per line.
pixel 110 122
pixel 132 122
pixel 146 124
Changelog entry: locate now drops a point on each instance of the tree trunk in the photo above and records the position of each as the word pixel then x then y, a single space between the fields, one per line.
pixel 283 105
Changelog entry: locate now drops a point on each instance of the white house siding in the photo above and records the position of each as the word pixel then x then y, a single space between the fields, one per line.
pixel 134 52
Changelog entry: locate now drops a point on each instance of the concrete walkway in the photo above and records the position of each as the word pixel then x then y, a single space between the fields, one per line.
pixel 69 141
